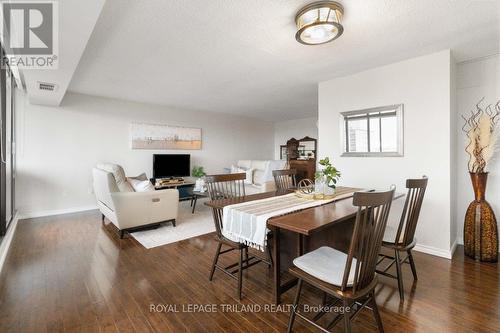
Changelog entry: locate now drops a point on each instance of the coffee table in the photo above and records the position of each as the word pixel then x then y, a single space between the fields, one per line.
pixel 195 196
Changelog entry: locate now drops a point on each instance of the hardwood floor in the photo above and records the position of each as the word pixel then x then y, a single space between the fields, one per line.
pixel 69 273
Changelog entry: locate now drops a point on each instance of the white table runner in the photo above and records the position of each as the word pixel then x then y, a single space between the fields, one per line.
pixel 247 222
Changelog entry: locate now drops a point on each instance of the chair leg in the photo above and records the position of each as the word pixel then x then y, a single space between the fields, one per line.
pixel 324 298
pixel 122 234
pixel 240 273
pixel 216 258
pixel 347 317
pixel 412 265
pixel 173 222
pixel 399 275
pixel 246 255
pixel 294 307
pixel 376 313
pixel 102 219
pixel 269 256
pixel 193 202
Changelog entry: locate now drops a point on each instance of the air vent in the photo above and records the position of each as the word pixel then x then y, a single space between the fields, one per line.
pixel 46 86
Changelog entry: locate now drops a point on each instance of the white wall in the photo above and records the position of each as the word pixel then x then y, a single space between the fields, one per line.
pixel 475 80
pixel 297 128
pixel 423 86
pixel 58 146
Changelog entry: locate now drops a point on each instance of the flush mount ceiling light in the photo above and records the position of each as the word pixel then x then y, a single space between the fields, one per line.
pixel 319 23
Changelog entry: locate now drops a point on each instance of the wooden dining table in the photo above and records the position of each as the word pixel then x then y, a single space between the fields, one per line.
pixel 296 233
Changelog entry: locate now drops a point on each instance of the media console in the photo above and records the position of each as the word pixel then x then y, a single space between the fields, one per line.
pixel 185 187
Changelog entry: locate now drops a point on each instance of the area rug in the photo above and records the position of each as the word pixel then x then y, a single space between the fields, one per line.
pixel 188 225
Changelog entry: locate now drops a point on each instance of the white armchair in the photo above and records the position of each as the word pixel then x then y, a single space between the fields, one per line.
pixel 129 210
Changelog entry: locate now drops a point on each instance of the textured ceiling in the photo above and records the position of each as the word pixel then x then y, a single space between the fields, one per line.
pixel 241 56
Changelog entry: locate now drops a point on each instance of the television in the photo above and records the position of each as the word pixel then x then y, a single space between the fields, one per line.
pixel 171 165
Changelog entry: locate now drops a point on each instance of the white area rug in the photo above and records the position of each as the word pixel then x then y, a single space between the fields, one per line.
pixel 188 225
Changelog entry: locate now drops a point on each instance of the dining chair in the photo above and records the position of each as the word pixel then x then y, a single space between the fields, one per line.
pixel 285 179
pixel 402 238
pixel 349 278
pixel 228 186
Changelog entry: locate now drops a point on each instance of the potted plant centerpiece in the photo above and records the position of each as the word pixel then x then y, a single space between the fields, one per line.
pixel 199 173
pixel 325 180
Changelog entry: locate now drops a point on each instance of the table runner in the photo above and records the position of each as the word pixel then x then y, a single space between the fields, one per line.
pixel 247 222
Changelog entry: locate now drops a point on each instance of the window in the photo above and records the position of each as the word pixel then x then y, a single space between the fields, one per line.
pixel 373 132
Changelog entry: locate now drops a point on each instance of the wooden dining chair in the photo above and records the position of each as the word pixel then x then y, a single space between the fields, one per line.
pixel 403 238
pixel 285 179
pixel 228 186
pixel 349 278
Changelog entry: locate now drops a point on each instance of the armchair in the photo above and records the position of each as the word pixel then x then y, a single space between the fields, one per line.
pixel 129 210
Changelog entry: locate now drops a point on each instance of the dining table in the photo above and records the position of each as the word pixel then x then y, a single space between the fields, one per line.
pixel 298 232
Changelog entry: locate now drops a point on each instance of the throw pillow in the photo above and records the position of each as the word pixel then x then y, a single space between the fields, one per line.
pixel 141 185
pixel 259 177
pixel 248 173
pixel 142 176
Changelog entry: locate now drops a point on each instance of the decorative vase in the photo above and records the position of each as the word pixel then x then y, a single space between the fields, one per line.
pixel 319 187
pixel 480 226
pixel 329 191
pixel 199 185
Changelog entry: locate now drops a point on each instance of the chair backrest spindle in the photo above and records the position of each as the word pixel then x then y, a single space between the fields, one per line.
pixel 285 179
pixel 224 186
pixel 366 241
pixel 411 211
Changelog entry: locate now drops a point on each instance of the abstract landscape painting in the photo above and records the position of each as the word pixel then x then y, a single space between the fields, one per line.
pixel 152 136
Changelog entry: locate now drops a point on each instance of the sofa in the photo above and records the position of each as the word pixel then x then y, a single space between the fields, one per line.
pixel 262 175
pixel 128 209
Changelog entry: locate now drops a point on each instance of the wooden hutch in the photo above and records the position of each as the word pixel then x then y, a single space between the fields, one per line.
pixel 301 155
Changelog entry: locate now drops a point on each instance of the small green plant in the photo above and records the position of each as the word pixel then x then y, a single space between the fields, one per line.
pixel 198 171
pixel 330 173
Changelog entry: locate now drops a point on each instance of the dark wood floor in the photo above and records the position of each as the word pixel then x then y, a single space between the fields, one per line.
pixel 69 273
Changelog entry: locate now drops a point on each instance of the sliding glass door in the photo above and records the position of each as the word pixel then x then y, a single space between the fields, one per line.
pixel 7 153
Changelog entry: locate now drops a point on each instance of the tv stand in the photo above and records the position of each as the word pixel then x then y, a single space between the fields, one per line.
pixel 170 182
pixel 185 187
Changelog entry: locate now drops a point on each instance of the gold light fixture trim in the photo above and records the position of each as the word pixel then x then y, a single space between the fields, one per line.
pixel 319 23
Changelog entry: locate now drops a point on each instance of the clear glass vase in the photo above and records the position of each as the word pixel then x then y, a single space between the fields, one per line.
pixel 319 187
pixel 328 190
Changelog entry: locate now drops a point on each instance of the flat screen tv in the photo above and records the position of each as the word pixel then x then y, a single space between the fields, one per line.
pixel 171 165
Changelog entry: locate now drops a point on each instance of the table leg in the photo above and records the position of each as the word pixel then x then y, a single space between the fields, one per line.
pixel 276 267
pixel 194 203
pixel 300 245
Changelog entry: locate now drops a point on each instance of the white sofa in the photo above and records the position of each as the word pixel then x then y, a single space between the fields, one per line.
pixel 262 180
pixel 129 210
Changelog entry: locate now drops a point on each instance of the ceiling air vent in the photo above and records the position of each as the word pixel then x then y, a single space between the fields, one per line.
pixel 45 86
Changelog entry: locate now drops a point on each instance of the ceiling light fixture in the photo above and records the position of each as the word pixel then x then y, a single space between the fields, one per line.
pixel 319 23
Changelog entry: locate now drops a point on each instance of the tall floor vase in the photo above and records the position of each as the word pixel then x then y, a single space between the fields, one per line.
pixel 480 226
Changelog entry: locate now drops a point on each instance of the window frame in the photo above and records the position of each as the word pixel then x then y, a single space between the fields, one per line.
pixel 397 108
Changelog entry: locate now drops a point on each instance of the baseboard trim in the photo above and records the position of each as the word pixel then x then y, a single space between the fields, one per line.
pixel 5 245
pixel 30 215
pixel 435 251
pixel 453 247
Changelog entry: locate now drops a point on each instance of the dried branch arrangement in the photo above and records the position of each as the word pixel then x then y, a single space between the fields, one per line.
pixel 482 133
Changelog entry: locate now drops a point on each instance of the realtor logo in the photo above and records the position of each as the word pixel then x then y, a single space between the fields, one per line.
pixel 30 34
